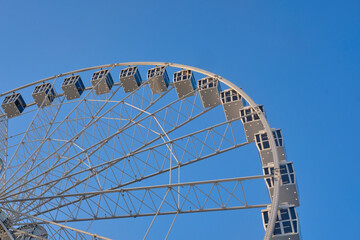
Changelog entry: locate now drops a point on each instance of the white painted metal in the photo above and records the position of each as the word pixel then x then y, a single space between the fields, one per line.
pixel 92 149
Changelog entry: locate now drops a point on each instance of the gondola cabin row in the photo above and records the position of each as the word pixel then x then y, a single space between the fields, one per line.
pixel 102 82
pixel 288 190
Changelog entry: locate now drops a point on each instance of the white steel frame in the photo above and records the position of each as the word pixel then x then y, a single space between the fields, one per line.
pixel 67 200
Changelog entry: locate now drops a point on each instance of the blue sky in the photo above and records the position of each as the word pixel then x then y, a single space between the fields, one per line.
pixel 301 59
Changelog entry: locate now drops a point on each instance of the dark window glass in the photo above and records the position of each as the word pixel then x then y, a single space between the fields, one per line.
pixel 287 227
pixel 248 118
pixel 266 171
pixel 295 226
pixel 283 169
pixel 266 144
pixel 280 142
pixel 227 93
pixel 278 132
pixel 248 111
pixel 268 181
pixel 235 98
pixel 211 85
pixel 292 178
pixel 264 137
pixel 242 112
pixel 276 142
pixel 284 214
pixel 257 138
pixel 259 145
pixel 292 212
pixel 290 168
pixel 285 179
pixel 256 117
pixel 277 229
pixel 266 217
pixel 228 99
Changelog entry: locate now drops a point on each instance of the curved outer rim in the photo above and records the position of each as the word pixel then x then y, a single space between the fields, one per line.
pixel 275 200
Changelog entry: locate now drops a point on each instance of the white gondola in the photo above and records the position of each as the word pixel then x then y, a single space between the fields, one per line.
pixel 184 82
pixel 251 121
pixel 158 79
pixel 13 105
pixel 102 81
pixel 130 79
pixel 44 94
pixel 287 224
pixel 209 92
pixel 263 145
pixel 288 189
pixel 73 87
pixel 232 103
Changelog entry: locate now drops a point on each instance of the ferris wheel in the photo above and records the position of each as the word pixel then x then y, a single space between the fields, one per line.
pixel 84 147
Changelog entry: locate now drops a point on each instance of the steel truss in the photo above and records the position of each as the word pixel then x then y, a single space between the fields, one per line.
pixel 75 159
pixel 192 197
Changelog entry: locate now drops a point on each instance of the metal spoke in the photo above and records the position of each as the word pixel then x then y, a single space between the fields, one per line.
pixel 80 160
pixel 200 196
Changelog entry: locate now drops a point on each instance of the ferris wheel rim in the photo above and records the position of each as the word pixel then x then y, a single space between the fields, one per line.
pixel 275 198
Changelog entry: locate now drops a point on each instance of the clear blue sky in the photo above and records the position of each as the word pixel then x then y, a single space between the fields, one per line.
pixel 301 59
